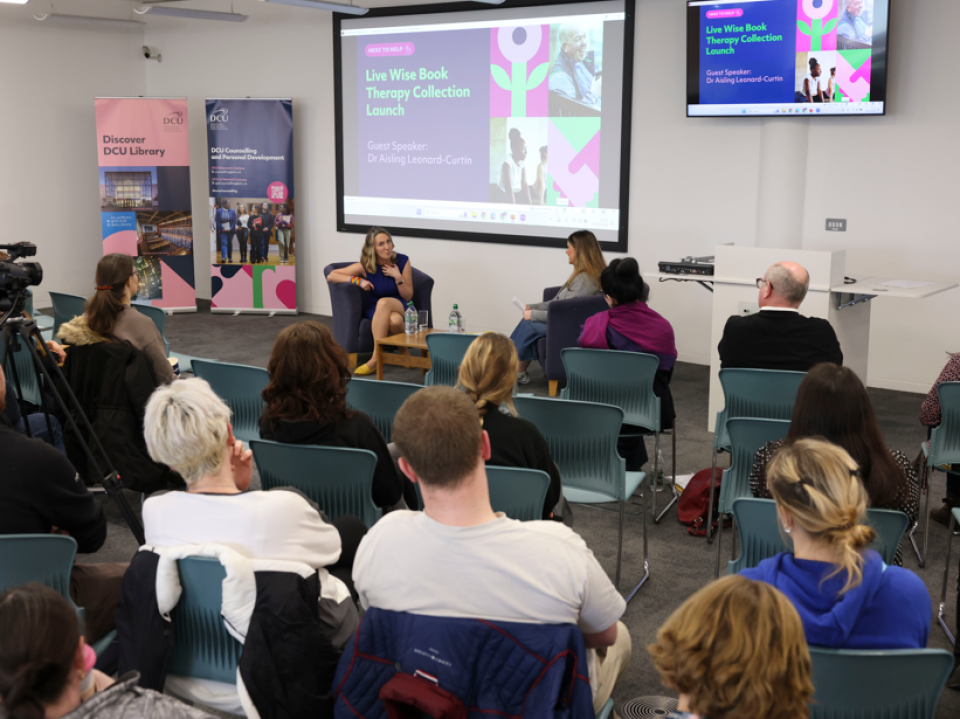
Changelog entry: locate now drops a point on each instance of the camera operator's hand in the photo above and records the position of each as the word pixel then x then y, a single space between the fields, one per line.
pixel 58 350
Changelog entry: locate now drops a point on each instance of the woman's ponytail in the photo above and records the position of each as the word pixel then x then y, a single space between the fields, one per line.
pixel 103 307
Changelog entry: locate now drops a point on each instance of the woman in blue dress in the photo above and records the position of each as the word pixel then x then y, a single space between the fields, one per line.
pixel 387 279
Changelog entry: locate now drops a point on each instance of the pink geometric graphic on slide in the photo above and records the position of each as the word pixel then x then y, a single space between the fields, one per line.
pixel 236 291
pixel 817 25
pixel 123 243
pixel 576 175
pixel 537 98
pixel 279 288
pixel 855 82
pixel 176 291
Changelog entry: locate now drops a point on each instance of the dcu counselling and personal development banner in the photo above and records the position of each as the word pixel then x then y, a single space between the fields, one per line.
pixel 144 159
pixel 253 231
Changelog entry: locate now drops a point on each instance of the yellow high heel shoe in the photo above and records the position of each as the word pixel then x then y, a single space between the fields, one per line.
pixel 364 370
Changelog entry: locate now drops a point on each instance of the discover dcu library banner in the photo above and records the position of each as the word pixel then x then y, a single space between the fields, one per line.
pixel 252 214
pixel 143 150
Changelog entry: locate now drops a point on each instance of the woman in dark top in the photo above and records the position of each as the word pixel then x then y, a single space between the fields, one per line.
pixel 631 326
pixel 487 376
pixel 833 403
pixel 306 404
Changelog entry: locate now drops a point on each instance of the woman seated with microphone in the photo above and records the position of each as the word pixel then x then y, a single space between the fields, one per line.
pixel 387 278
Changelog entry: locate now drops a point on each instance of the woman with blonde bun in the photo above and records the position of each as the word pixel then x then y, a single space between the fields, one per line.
pixel 846 595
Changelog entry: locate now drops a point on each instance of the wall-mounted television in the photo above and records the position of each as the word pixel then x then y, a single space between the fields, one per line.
pixel 774 58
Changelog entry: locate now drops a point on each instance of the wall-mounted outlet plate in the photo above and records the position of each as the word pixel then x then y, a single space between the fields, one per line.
pixel 747 308
pixel 834 225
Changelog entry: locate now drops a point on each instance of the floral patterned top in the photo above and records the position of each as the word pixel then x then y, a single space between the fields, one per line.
pixel 930 409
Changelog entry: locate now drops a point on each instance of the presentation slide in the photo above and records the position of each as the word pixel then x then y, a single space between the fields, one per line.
pixel 786 57
pixel 499 124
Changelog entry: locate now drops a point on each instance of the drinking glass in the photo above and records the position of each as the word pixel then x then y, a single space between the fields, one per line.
pixel 423 319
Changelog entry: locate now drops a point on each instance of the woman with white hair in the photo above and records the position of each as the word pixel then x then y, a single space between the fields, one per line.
pixel 188 428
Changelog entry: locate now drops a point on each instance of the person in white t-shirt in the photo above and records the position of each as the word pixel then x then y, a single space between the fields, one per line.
pixel 812 90
pixel 458 558
pixel 243 232
pixel 186 426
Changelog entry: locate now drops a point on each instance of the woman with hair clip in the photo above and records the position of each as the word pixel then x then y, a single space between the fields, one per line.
pixel 487 377
pixel 306 403
pixel 735 650
pixel 387 279
pixel 833 403
pixel 46 668
pixel 847 597
pixel 631 326
pixel 583 252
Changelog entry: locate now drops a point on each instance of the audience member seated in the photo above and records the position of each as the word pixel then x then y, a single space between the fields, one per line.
pixel 583 252
pixel 847 597
pixel 188 427
pixel 735 650
pixel 930 417
pixel 41 493
pixel 631 326
pixel 833 403
pixel 458 558
pixel 46 668
pixel 387 277
pixel 306 404
pixel 778 336
pixel 36 422
pixel 487 377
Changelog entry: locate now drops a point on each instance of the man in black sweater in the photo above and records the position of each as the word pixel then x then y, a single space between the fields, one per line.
pixel 778 336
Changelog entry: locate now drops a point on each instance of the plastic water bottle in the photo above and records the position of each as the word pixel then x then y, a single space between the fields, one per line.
pixel 456 320
pixel 410 319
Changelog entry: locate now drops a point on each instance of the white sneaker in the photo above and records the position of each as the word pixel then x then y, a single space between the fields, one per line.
pixel 523 378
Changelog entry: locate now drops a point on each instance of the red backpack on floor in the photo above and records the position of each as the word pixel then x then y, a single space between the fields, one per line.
pixel 694 502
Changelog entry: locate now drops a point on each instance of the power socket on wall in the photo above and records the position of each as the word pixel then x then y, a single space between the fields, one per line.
pixel 747 308
pixel 836 225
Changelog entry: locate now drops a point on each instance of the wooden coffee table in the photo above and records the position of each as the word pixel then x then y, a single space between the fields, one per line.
pixel 416 341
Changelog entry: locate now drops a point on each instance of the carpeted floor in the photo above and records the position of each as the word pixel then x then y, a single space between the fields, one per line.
pixel 679 564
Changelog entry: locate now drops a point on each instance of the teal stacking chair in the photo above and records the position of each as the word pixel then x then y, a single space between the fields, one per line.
pixel 516 491
pixel 379 399
pixel 747 435
pixel 240 387
pixel 202 647
pixel 582 438
pixel 954 520
pixel 446 354
pixel 607 710
pixel 159 317
pixel 944 449
pixel 760 393
pixel 44 322
pixel 878 684
pixel 338 479
pixel 760 536
pixel 65 308
pixel 26 373
pixel 625 380
pixel 46 559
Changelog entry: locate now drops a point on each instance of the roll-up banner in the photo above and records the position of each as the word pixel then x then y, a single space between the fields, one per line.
pixel 252 213
pixel 143 150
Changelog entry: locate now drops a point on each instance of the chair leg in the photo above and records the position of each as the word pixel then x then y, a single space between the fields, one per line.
pixel 646 561
pixel 352 361
pixel 713 473
pixel 554 384
pixel 926 525
pixel 946 573
pixel 673 483
pixel 619 547
pixel 656 466
pixel 924 484
pixel 716 573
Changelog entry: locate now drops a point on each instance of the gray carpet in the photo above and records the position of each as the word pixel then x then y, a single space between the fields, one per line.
pixel 679 564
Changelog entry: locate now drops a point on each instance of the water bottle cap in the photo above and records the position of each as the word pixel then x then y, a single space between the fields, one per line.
pixel 454 307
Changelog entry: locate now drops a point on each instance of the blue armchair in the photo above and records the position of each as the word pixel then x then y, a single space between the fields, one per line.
pixel 564 320
pixel 350 328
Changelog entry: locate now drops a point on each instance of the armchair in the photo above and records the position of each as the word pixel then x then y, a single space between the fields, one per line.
pixel 350 328
pixel 564 319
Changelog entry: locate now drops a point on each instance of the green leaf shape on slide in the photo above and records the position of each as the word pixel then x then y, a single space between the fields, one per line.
pixel 828 28
pixel 538 75
pixel 804 27
pixel 501 77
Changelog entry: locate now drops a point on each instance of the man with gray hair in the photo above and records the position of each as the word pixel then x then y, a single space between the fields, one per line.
pixel 778 336
pixel 574 72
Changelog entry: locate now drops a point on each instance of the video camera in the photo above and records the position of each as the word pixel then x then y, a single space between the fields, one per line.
pixel 15 277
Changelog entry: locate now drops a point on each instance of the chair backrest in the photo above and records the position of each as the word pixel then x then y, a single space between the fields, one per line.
pixel 26 373
pixel 381 400
pixel 945 439
pixel 875 684
pixel 240 387
pixel 202 647
pixel 582 438
pixel 763 393
pixel 517 492
pixel 338 479
pixel 156 314
pixel 43 558
pixel 65 308
pixel 623 379
pixel 446 355
pixel 747 435
pixel 760 536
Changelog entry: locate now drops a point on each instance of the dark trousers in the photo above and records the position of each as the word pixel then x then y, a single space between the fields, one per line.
pixel 96 588
pixel 242 233
pixel 351 531
pixel 226 246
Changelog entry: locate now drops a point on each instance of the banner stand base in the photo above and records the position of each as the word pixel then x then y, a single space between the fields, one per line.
pixel 248 311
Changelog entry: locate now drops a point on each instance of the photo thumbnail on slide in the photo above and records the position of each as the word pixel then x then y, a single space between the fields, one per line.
pixel 492 121
pixel 787 56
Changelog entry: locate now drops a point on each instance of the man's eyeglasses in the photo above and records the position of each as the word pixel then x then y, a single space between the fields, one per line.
pixel 761 282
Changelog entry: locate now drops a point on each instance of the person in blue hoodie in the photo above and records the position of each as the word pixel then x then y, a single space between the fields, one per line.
pixel 846 596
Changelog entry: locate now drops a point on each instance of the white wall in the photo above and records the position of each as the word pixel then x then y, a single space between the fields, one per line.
pixel 695 183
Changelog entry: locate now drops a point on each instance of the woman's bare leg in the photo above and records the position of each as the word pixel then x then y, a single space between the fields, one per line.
pixel 522 366
pixel 387 320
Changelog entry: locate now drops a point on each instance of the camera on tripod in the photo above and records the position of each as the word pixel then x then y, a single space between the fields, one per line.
pixel 15 277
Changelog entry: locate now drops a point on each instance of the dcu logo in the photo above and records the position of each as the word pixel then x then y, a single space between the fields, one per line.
pixel 174 118
pixel 220 116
